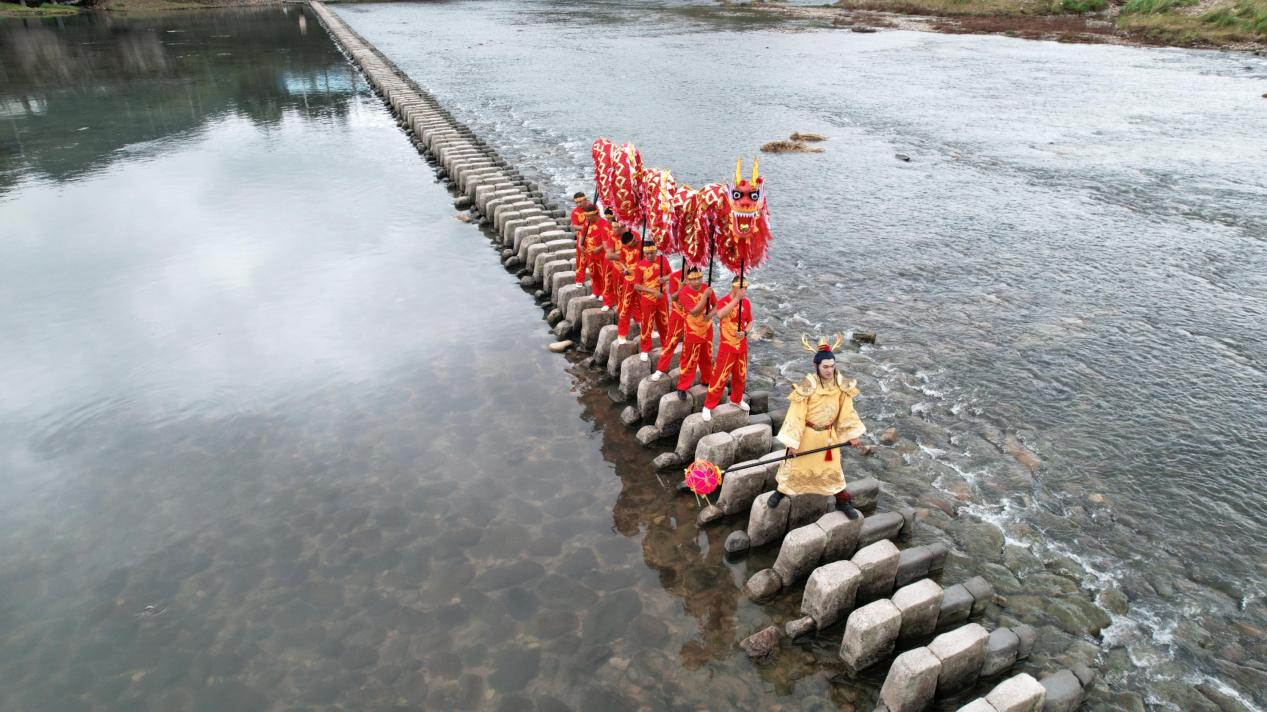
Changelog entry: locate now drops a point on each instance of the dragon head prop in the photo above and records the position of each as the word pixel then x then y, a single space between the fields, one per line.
pixel 746 219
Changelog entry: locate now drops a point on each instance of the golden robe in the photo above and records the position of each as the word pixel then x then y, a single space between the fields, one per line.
pixel 819 414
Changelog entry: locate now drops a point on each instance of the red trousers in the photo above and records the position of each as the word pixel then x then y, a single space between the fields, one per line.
pixel 670 340
pixel 652 316
pixel 612 279
pixel 732 367
pixel 598 275
pixel 581 263
pixel 626 308
pixel 696 353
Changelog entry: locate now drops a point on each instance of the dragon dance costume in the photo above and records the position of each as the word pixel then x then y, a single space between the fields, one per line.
pixel 731 365
pixel 630 254
pixel 579 226
pixel 697 342
pixel 652 305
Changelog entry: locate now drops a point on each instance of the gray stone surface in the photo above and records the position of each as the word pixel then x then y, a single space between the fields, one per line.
pixel 620 352
pixel 830 592
pixel 870 634
pixel 647 435
pixel 1000 652
pixel 799 553
pixel 883 525
pixel 776 418
pixel 759 401
pixel 1021 693
pixel 717 448
pixel 602 347
pixel 842 535
pixel 752 441
pixel 740 488
pixel 1026 637
pixel 567 293
pixel 629 416
pixel 761 645
pixel 978 705
pixel 807 508
pixel 908 523
pixel 911 682
pixel 982 593
pixel 878 563
pixel 1085 675
pixel 760 419
pixel 863 493
pixel 956 606
pixel 937 553
pixel 726 417
pixel 558 282
pixel 649 394
pixel 912 565
pixel 592 320
pixel 666 460
pixel 708 515
pixel 763 584
pixel 562 263
pixel 766 525
pixel 1064 692
pixel 736 542
pixel 962 652
pixel 578 305
pixel 671 413
pixel 920 603
pixel 799 626
pixel 633 370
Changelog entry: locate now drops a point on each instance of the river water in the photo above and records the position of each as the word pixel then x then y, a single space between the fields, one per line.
pixel 279 434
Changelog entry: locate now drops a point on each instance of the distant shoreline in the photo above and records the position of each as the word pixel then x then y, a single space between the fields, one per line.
pixel 13 10
pixel 1239 25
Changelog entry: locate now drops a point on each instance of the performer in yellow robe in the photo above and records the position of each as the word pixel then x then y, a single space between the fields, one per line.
pixel 820 413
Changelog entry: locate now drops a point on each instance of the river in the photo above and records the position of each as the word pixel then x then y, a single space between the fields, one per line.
pixel 278 432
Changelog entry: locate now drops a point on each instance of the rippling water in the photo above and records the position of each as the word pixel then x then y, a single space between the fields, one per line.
pixel 1073 264
pixel 278 434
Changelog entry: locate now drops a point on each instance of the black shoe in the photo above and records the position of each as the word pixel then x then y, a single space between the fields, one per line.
pixel 848 509
pixel 775 499
pixel 681 395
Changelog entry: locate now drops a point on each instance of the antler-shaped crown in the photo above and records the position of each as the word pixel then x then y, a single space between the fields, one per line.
pixel 822 343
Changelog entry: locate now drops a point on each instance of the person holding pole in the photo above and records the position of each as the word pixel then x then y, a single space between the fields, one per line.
pixel 697 344
pixel 734 316
pixel 580 229
pixel 598 234
pixel 820 413
pixel 676 322
pixel 649 284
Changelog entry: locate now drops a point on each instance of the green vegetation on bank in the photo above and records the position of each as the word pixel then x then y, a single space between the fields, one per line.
pixel 47 10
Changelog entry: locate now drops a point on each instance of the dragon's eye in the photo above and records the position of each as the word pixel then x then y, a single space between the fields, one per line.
pixel 755 195
pixel 736 195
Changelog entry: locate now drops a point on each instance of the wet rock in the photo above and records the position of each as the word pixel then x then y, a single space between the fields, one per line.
pixel 671 413
pixel 758 402
pixel 920 604
pixel 842 535
pixel 562 329
pixel 650 630
pixel 831 592
pixel 786 146
pixel 982 593
pixel 879 527
pixel 878 563
pixel 807 508
pixel 798 627
pixel 981 540
pixel 741 486
pixel 736 542
pixel 800 553
pixel 666 460
pixel 962 653
pixel 717 448
pixel 708 515
pixel 559 347
pixel 629 416
pixel 514 668
pixel 751 441
pixel 898 156
pixel 759 646
pixel 608 620
pixel 776 418
pixel 1021 693
pixel 911 682
pixel 1000 652
pixel 863 493
pixel 889 436
pixel 647 435
pixel 1020 561
pixel 870 634
pixel 1225 703
pixel 763 584
pixel 766 525
pixel 1063 692
pixel 1113 600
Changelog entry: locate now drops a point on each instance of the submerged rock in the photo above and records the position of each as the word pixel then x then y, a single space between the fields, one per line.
pixel 798 136
pixel 785 146
pixel 737 541
pixel 559 347
pixel 759 646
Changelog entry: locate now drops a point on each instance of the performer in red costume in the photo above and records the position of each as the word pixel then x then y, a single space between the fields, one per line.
pixel 649 284
pixel 734 314
pixel 613 278
pixel 630 255
pixel 579 226
pixel 596 249
pixel 697 346
pixel 676 323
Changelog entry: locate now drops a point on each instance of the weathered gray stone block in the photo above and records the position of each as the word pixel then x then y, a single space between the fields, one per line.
pixel 912 565
pixel 1026 637
pixel 831 592
pixel 567 293
pixel 978 705
pixel 863 493
pixel 920 603
pixel 764 524
pixel 725 417
pixel 761 645
pixel 807 508
pixel 629 416
pixel 717 448
pixel 878 563
pixel 759 401
pixel 760 419
pixel 876 527
pixel 911 682
pixel 842 535
pixel 937 553
pixel 708 515
pixel 982 593
pixel 558 281
pixel 908 523
pixel 1000 652
pixel 1063 690
pixel 736 542
pixel 870 634
pixel 633 371
pixel 776 418
pixel 956 606
pixel 752 441
pixel 620 352
pixel 558 263
pixel 763 584
pixel 647 435
pixel 798 627
pixel 593 320
pixel 740 488
pixel 577 307
pixel 800 552
pixel 666 460
pixel 649 394
pixel 962 653
pixel 1021 693
pixel 671 413
pixel 602 348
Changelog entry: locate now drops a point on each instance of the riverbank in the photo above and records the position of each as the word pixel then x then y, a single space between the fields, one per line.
pixel 1221 24
pixel 13 10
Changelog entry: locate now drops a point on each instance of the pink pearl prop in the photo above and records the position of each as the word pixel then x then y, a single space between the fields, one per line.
pixel 703 477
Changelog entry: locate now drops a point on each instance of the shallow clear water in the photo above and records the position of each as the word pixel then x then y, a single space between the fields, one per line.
pixel 278 433
pixel 1073 262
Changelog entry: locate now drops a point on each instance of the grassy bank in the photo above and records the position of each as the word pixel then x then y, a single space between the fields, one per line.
pixel 14 10
pixel 1195 23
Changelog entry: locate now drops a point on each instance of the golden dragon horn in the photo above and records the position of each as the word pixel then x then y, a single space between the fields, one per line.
pixel 738 170
pixel 755 173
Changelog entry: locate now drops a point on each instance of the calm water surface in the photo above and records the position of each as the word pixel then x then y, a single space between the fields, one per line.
pixel 278 433
pixel 1073 263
